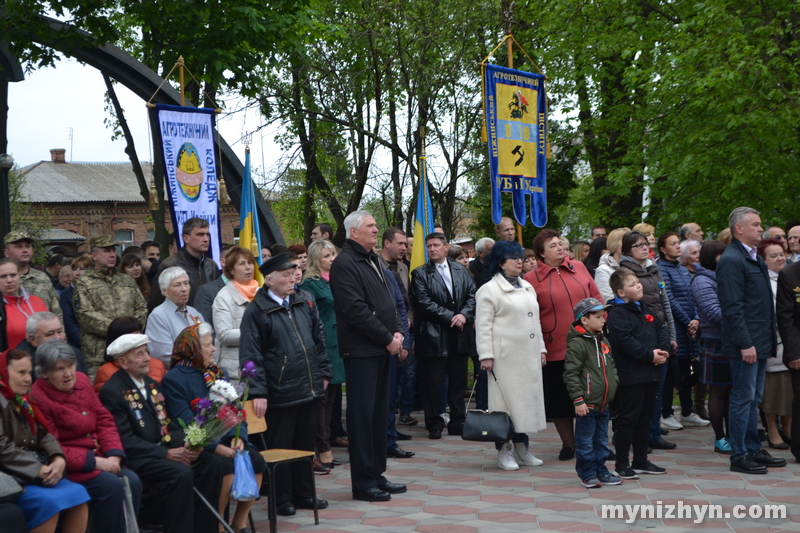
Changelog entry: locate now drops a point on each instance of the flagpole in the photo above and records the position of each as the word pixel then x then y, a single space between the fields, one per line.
pixel 508 15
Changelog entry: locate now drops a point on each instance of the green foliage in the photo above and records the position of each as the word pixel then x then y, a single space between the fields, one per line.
pixel 35 222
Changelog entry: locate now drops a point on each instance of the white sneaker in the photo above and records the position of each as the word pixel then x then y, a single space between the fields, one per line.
pixel 524 457
pixel 505 458
pixel 446 418
pixel 694 420
pixel 671 423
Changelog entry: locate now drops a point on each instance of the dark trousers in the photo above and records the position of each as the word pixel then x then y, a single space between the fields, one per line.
pixel 635 405
pixel 337 429
pixel 367 407
pixel 324 420
pixel 684 388
pixel 12 518
pixel 293 428
pixel 432 371
pixel 795 374
pixel 185 513
pixel 391 429
pixel 108 498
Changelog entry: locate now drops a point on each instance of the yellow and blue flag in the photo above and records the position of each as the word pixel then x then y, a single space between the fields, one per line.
pixel 249 234
pixel 423 219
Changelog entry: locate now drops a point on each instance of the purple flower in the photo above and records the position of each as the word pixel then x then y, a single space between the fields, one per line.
pixel 249 370
pixel 200 419
pixel 240 388
pixel 203 404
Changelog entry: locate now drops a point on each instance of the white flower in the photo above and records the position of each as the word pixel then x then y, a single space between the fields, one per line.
pixel 223 392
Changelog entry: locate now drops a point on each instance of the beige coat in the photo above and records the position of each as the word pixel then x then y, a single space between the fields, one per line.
pixel 228 310
pixel 509 331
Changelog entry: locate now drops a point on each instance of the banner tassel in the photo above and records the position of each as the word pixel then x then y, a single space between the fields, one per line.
pixel 153 195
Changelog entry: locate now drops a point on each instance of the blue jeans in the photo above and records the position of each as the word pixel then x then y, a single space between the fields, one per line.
pixel 591 445
pixel 748 389
pixel 655 423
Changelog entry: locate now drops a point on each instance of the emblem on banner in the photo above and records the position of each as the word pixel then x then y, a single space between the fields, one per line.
pixel 189 172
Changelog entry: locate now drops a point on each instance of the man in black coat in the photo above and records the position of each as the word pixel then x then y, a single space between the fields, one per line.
pixel 748 337
pixel 479 269
pixel 282 334
pixel 199 268
pixel 369 333
pixel 154 447
pixel 443 296
pixel 788 314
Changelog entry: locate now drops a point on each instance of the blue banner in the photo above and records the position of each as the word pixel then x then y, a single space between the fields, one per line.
pixel 516 124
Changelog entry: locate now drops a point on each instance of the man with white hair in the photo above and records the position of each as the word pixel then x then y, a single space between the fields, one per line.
pixel 369 329
pixel 282 334
pixel 480 272
pixel 45 326
pixel 173 316
pixel 101 295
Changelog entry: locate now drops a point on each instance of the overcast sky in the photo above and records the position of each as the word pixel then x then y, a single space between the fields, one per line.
pixel 49 101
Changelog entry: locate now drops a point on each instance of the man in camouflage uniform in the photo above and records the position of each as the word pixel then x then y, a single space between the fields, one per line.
pixel 19 247
pixel 101 295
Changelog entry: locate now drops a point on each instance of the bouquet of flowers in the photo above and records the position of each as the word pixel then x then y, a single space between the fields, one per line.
pixel 214 416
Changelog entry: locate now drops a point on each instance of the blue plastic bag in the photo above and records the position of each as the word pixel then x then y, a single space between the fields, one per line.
pixel 244 486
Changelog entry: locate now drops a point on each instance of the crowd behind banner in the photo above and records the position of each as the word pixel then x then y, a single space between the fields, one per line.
pixel 131 371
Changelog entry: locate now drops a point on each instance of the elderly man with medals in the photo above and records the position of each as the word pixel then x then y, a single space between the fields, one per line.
pixel 155 450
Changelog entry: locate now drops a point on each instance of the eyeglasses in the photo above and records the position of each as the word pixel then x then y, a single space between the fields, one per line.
pixel 514 257
pixel 641 245
pixel 782 237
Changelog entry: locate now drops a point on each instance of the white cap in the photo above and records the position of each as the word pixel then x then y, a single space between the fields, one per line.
pixel 126 343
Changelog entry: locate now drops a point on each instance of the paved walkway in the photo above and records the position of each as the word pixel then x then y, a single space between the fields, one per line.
pixel 455 486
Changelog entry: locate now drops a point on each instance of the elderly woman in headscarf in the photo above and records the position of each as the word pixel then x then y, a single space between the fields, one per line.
pixel 87 434
pixel 32 455
pixel 192 374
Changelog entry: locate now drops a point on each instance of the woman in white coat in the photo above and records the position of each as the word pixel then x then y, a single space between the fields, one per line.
pixel 229 306
pixel 511 347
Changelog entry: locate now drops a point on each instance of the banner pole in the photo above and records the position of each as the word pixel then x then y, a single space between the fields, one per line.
pixel 183 81
pixel 510 48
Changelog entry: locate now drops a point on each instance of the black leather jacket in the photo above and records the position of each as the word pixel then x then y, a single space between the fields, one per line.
pixel 434 308
pixel 287 347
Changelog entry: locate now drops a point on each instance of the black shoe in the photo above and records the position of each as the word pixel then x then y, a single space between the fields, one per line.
pixel 393 488
pixel 664 431
pixel 661 444
pixel 372 494
pixel 403 436
pixel 746 466
pixel 336 463
pixel 398 453
pixel 763 457
pixel 435 434
pixel 308 503
pixel 286 509
pixel 566 454
pixel 649 450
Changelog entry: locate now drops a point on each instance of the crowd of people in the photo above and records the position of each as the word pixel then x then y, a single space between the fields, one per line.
pixel 103 359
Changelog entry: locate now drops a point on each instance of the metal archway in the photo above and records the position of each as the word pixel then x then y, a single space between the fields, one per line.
pixel 142 81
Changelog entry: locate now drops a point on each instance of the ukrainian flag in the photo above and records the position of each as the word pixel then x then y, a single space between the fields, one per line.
pixel 249 234
pixel 423 220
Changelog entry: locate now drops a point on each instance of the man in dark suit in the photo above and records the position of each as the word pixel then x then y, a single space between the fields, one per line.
pixel 480 273
pixel 748 337
pixel 155 450
pixel 369 330
pixel 443 296
pixel 788 314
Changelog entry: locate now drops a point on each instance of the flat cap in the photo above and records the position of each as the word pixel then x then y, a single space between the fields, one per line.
pixel 102 241
pixel 277 262
pixel 126 343
pixel 16 236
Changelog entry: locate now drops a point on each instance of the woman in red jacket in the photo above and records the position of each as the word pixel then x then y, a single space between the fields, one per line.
pixel 87 434
pixel 560 283
pixel 19 304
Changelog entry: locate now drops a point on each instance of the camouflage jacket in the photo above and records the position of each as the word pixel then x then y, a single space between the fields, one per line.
pixel 39 284
pixel 99 298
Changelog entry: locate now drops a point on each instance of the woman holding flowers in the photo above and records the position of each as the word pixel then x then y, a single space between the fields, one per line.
pixel 195 384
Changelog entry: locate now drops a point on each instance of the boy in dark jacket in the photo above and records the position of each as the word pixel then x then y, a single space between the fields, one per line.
pixel 591 380
pixel 639 343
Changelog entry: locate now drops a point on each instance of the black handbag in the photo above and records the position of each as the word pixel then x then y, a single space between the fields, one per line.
pixel 487 426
